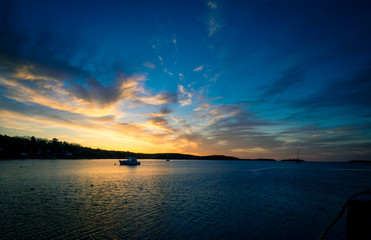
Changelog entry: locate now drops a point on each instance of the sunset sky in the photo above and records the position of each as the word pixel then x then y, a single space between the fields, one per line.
pixel 251 79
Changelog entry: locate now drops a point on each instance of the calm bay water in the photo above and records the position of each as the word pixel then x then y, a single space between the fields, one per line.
pixel 95 199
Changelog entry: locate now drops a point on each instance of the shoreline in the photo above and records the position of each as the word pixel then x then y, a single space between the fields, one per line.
pixel 188 159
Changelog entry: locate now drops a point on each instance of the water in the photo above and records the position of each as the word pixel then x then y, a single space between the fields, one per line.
pixel 95 199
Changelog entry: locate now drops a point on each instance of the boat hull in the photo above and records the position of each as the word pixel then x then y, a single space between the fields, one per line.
pixel 126 162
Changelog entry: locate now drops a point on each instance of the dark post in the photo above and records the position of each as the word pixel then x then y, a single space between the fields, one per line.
pixel 359 218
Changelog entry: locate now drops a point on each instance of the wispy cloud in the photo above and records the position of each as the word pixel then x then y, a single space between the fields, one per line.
pixel 216 76
pixel 149 65
pixel 166 49
pixel 181 77
pixel 159 125
pixel 214 18
pixel 185 97
pixel 212 5
pixel 168 72
pixel 214 25
pixel 199 68
pixel 253 150
pixel 213 114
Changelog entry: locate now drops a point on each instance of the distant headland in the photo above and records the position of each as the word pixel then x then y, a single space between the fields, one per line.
pixel 360 161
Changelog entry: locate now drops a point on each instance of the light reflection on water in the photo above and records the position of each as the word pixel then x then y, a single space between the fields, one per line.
pixel 77 199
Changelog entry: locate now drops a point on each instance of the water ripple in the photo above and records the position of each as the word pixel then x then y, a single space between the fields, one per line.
pixel 94 199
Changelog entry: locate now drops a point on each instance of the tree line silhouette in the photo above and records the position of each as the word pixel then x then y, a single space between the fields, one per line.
pixel 40 148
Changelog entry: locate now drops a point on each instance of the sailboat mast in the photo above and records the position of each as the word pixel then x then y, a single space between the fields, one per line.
pixel 297 155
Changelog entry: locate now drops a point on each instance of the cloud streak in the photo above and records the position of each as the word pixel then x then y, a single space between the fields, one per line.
pixel 185 97
pixel 352 91
pixel 199 68
pixel 289 80
pixel 214 19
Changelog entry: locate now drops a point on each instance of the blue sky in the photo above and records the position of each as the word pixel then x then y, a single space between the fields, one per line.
pixel 251 79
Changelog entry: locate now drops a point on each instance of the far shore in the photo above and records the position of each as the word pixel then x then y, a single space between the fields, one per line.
pixel 187 159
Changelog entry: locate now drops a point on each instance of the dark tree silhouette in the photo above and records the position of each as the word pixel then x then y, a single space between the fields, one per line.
pixel 39 148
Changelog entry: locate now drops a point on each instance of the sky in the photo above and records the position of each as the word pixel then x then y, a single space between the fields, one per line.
pixel 251 79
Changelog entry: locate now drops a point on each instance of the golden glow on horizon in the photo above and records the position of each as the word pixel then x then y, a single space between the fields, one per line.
pixel 99 137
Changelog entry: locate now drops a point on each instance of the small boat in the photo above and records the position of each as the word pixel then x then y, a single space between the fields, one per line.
pixel 129 161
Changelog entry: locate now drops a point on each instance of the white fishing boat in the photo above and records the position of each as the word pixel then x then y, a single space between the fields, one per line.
pixel 129 161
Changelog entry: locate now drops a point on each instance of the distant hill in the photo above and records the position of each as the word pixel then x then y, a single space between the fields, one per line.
pixel 293 160
pixel 360 161
pixel 39 148
pixel 261 159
